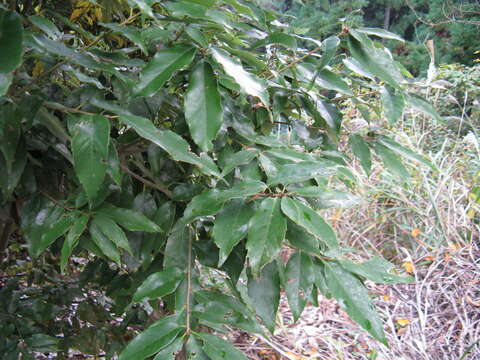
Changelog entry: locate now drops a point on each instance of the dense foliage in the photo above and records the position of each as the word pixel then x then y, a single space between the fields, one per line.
pixel 453 25
pixel 145 142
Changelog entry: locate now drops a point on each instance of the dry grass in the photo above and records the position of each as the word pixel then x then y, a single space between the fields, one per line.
pixel 424 222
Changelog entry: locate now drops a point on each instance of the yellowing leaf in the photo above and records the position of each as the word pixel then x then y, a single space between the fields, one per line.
pixel 38 68
pixel 386 297
pixel 403 322
pixel 416 232
pixel 408 266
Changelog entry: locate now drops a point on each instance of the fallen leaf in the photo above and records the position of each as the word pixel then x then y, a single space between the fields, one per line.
pixel 403 322
pixel 408 266
pixel 472 302
pixel 416 232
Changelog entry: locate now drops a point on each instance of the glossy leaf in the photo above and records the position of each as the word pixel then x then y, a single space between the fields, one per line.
pixel 393 104
pixel 239 158
pixel 376 269
pixel 391 161
pixel 249 83
pixel 72 239
pixel 361 151
pixel 423 106
pixel 172 143
pixel 159 284
pixel 112 231
pixel 403 151
pixel 5 82
pixel 169 352
pixel 266 232
pixel 329 47
pixel 302 171
pixel 325 199
pixel 231 226
pixel 159 70
pixel 300 239
pixel 278 38
pixel 385 34
pixel 211 201
pixel 90 139
pixel 264 291
pixel 176 249
pixel 299 279
pixel 203 110
pixel 219 349
pixel 152 340
pixel 374 60
pixel 310 220
pixel 105 245
pixel 11 37
pixel 353 297
pixel 129 219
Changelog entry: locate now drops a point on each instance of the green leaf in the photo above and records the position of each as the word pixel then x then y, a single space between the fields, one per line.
pixel 211 201
pixel 329 47
pixel 5 82
pixel 242 157
pixel 299 279
pixel 145 6
pixel 249 83
pixel 302 171
pixel 112 231
pixel 203 110
pixel 160 69
pixel 391 161
pixel 421 105
pixel 10 132
pixel 279 38
pixel 231 226
pixel 47 26
pixel 90 139
pixel 219 349
pixel 325 199
pixel 266 232
pixel 374 60
pixel 72 238
pixel 403 151
pixel 309 219
pixel 329 80
pixel 11 37
pixel 176 250
pixel 129 219
pixel 376 269
pixel 106 246
pixel 393 104
pixel 264 292
pixel 380 33
pixel 353 297
pixel 301 239
pixel 114 165
pixel 196 34
pixel 169 352
pixel 10 179
pixel 361 151
pixel 40 217
pixel 216 308
pixel 131 33
pixel 171 142
pixel 159 284
pixel 153 339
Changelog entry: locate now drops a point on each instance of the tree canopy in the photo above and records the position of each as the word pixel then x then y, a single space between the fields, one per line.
pixel 144 143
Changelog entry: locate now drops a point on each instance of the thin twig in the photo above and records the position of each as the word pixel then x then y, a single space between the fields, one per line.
pixel 149 183
pixel 189 282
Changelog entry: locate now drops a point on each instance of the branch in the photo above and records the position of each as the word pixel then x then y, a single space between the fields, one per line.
pixel 153 185
pixel 452 20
